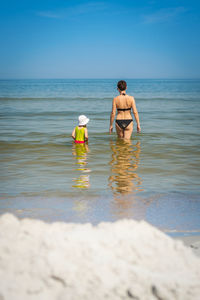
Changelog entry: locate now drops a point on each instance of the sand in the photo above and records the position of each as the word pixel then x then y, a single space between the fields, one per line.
pixel 121 260
pixel 191 241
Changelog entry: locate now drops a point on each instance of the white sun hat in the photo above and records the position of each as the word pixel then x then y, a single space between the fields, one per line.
pixel 82 120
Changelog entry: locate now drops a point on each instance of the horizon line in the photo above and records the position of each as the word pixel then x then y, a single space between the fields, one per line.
pixel 105 78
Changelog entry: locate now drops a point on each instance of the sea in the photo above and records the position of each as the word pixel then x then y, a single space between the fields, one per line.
pixel 154 177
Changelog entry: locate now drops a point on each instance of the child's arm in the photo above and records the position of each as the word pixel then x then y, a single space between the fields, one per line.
pixel 86 134
pixel 73 134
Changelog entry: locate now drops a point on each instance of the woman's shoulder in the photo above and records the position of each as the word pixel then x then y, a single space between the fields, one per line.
pixel 131 98
pixel 127 97
pixel 115 98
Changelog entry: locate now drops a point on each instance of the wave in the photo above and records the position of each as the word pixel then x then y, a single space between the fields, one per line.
pixel 67 113
pixel 97 98
pixel 55 98
pixel 34 144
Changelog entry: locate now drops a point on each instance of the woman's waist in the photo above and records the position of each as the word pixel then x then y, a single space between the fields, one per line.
pixel 124 117
pixel 124 114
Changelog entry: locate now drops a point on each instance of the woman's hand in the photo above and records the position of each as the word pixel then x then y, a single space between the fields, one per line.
pixel 111 129
pixel 138 129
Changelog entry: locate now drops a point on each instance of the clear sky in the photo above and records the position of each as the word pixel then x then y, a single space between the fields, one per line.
pixel 100 39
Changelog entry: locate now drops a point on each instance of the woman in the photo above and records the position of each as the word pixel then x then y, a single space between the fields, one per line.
pixel 124 121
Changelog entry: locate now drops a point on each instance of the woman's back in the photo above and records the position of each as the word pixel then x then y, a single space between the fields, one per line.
pixel 124 105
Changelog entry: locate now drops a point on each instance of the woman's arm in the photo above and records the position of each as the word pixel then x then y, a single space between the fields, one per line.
pixel 73 134
pixel 136 115
pixel 112 115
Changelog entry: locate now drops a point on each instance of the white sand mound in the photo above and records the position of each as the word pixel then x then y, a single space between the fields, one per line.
pixel 121 260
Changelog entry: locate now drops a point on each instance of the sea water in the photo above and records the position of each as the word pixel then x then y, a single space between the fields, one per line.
pixel 154 177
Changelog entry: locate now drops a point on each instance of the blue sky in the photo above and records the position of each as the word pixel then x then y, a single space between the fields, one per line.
pixel 100 39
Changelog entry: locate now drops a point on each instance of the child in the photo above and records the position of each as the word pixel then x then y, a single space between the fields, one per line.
pixel 80 133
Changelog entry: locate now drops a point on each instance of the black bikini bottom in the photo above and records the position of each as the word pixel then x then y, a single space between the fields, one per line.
pixel 123 123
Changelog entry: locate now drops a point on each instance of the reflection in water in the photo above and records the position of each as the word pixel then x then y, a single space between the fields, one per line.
pixel 124 163
pixel 124 180
pixel 80 151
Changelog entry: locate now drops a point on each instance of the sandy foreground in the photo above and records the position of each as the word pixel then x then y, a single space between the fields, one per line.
pixel 121 260
pixel 191 241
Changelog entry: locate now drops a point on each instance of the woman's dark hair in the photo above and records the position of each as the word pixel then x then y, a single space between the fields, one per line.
pixel 122 85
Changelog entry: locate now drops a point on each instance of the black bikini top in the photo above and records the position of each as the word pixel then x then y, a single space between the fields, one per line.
pixel 123 109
